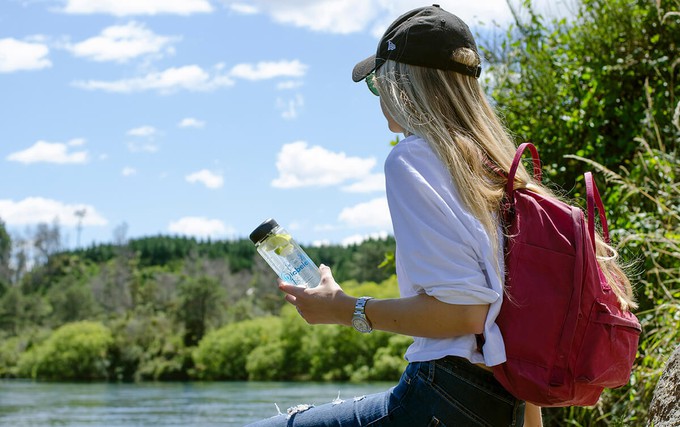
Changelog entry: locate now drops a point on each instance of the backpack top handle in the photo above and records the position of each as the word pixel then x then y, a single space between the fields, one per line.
pixel 538 174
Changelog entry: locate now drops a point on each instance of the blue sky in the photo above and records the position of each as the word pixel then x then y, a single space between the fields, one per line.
pixel 196 117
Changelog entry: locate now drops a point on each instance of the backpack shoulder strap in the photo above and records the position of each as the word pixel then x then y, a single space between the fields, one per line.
pixel 595 201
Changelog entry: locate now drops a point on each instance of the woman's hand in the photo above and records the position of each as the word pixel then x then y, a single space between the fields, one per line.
pixel 324 304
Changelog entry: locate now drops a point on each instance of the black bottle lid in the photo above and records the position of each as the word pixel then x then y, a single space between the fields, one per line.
pixel 263 230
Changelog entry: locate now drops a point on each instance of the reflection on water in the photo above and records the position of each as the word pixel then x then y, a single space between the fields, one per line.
pixel 24 403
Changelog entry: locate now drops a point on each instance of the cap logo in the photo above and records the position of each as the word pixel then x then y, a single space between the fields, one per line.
pixel 391 46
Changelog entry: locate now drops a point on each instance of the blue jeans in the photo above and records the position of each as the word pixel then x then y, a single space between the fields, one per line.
pixel 446 392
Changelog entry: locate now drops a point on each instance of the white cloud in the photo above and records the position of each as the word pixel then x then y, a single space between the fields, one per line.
pixel 128 171
pixel 269 70
pixel 142 147
pixel 356 239
pixel 51 152
pixel 36 210
pixel 303 166
pixel 199 227
pixel 120 43
pixel 137 7
pixel 143 131
pixel 373 16
pixel 194 78
pixel 189 77
pixel 374 213
pixel 207 178
pixel 146 144
pixel 336 16
pixel 243 8
pixel 290 108
pixel 321 243
pixel 76 142
pixel 368 184
pixel 16 55
pixel 190 122
pixel 290 84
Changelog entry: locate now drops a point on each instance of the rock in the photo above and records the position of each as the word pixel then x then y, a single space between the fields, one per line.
pixel 664 410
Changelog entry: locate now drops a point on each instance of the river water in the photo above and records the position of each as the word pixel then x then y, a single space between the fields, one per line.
pixel 25 403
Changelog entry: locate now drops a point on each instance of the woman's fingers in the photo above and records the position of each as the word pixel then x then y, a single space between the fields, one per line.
pixel 290 289
pixel 326 274
pixel 315 305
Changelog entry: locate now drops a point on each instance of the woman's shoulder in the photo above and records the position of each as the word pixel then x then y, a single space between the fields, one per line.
pixel 412 143
pixel 412 150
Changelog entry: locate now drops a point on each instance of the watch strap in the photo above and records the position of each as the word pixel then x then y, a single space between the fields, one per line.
pixel 360 315
pixel 360 306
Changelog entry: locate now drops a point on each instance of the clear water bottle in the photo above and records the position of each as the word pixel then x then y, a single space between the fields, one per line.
pixel 284 255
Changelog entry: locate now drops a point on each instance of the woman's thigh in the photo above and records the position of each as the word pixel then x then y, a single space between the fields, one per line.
pixel 359 411
pixel 448 392
pixel 379 409
pixel 454 392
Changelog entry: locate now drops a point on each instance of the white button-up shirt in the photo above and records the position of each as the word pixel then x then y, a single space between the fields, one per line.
pixel 442 249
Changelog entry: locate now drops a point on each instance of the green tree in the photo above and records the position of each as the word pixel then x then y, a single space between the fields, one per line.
pixel 12 316
pixel 200 302
pixel 368 258
pixel 578 86
pixel 5 257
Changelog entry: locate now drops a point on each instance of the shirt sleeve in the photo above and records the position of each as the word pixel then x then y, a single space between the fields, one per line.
pixel 438 241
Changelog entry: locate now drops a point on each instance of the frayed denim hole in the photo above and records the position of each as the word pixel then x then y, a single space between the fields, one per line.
pixel 298 409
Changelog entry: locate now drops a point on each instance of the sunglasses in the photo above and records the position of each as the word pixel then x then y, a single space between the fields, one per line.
pixel 370 82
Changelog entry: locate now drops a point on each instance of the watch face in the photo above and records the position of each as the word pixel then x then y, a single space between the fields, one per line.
pixel 361 325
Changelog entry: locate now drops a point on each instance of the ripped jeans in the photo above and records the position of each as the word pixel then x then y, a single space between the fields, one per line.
pixel 446 392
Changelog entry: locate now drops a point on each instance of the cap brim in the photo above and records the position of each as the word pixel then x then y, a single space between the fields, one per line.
pixel 363 69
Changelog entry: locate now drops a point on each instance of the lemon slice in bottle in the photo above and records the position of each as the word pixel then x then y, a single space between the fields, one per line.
pixel 280 244
pixel 284 250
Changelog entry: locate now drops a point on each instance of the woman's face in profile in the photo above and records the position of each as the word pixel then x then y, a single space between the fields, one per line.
pixel 391 124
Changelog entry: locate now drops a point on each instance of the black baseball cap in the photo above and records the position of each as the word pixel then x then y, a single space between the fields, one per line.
pixel 427 37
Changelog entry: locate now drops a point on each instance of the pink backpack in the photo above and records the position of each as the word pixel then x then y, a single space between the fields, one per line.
pixel 566 337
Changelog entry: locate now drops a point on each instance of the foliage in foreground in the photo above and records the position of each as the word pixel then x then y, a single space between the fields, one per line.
pixel 599 91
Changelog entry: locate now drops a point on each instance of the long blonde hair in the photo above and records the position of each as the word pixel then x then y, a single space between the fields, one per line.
pixel 451 112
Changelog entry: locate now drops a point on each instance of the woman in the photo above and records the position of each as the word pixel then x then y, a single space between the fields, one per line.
pixel 444 193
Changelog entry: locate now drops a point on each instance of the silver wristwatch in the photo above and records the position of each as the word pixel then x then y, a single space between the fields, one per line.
pixel 359 320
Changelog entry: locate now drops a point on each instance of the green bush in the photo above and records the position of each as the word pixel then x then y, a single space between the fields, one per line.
pixel 10 352
pixel 266 362
pixel 295 364
pixel 389 362
pixel 339 353
pixel 644 203
pixel 165 359
pixel 75 351
pixel 599 90
pixel 222 354
pixel 335 353
pixel 287 348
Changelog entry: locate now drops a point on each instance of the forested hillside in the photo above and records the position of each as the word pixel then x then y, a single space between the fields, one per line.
pixel 147 298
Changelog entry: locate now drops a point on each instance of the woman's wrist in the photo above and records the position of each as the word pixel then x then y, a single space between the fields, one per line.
pixel 345 311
